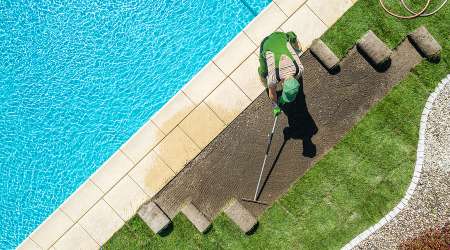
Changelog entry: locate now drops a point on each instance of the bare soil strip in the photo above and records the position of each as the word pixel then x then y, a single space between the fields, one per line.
pixel 332 104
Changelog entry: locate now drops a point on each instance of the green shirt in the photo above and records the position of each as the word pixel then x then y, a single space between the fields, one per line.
pixel 275 43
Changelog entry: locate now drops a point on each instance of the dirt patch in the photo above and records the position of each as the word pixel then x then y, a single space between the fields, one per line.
pixel 331 105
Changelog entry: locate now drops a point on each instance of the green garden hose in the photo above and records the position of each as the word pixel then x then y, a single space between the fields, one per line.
pixel 424 14
pixel 414 14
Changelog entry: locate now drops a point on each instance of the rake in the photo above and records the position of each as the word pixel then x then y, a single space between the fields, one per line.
pixel 257 191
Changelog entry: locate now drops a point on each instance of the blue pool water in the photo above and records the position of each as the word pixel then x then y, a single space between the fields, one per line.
pixel 78 78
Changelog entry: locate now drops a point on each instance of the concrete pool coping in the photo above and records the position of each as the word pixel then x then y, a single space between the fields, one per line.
pixel 179 131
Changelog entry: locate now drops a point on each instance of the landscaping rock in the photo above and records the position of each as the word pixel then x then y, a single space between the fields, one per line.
pixel 197 218
pixel 374 49
pixel 154 217
pixel 324 54
pixel 241 216
pixel 425 43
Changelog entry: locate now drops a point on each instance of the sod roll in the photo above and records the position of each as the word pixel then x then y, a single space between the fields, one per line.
pixel 241 216
pixel 324 54
pixel 375 49
pixel 197 218
pixel 154 217
pixel 425 43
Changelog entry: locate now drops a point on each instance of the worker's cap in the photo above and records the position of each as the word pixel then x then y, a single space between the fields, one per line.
pixel 290 90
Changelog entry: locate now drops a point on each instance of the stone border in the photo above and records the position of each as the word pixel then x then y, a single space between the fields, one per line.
pixel 417 170
pixel 174 135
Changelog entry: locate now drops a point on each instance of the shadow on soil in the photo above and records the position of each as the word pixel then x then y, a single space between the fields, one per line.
pixel 383 67
pixel 166 231
pixel 333 71
pixel 253 230
pixel 301 126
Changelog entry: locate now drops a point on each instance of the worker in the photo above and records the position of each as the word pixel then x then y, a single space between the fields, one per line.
pixel 280 68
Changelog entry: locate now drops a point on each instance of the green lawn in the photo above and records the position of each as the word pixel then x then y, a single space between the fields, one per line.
pixel 356 183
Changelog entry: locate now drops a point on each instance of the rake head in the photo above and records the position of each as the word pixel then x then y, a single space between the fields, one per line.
pixel 254 201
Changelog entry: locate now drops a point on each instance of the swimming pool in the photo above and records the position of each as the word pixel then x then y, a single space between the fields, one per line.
pixel 78 78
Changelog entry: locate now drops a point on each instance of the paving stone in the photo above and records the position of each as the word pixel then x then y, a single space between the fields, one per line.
pixel 112 171
pixel 375 49
pixel 241 216
pixel 306 25
pixel 289 6
pixel 377 226
pixel 227 101
pixel 126 197
pixel 329 11
pixel 202 125
pixel 28 244
pixel 51 229
pixel 417 175
pixel 81 200
pixel 147 137
pixel 400 206
pixel 347 247
pixel 234 53
pixel 101 222
pixel 247 78
pixel 203 83
pixel 154 217
pixel 197 218
pixel 425 43
pixel 265 23
pixel 151 174
pixel 176 150
pixel 390 215
pixel 76 238
pixel 419 165
pixel 173 112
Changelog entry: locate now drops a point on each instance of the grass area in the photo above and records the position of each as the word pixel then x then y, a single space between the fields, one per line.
pixel 356 183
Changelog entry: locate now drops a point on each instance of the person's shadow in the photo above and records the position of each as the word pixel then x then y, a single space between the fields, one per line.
pixel 301 125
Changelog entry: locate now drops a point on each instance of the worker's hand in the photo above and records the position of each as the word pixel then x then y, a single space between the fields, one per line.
pixel 276 111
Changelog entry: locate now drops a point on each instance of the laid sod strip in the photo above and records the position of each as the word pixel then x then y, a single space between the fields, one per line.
pixel 357 182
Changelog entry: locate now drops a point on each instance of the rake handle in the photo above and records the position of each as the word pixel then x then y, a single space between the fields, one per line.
pixel 269 142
